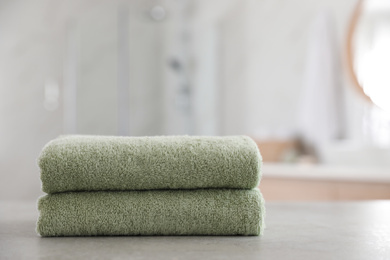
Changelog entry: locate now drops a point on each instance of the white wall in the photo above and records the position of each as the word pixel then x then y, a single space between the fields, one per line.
pixel 246 80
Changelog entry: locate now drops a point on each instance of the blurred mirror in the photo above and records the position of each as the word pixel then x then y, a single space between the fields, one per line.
pixel 369 47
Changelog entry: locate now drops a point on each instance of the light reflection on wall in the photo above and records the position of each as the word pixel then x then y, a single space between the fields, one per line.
pixel 372 65
pixel 374 68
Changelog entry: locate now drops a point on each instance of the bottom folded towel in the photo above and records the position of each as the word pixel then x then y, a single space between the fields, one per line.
pixel 159 212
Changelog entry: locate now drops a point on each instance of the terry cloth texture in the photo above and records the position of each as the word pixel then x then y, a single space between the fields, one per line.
pixel 102 163
pixel 163 212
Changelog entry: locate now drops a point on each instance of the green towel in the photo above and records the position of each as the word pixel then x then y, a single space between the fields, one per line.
pixel 158 212
pixel 101 163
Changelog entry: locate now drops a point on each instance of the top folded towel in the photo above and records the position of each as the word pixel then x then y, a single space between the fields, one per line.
pixel 96 163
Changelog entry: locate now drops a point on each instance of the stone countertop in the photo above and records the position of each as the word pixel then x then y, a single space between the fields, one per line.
pixel 315 230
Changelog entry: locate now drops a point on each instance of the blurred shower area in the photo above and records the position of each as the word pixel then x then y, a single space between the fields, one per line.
pixel 275 70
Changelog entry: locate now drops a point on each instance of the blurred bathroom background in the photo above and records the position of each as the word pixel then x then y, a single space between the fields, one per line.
pixel 309 81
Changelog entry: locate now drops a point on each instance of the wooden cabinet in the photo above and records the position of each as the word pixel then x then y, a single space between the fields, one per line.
pixel 288 189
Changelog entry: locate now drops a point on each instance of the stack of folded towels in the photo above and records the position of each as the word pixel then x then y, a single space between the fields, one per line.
pixel 166 185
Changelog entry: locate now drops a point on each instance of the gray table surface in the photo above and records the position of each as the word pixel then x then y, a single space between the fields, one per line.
pixel 323 230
